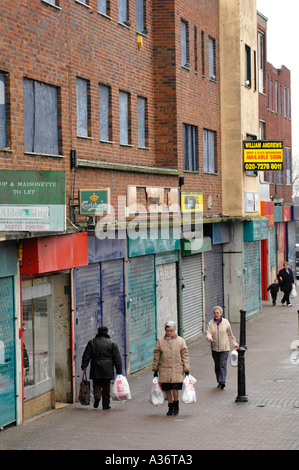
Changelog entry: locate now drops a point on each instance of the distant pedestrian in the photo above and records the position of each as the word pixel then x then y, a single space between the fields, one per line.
pixel 274 288
pixel 104 355
pixel 171 361
pixel 286 279
pixel 220 335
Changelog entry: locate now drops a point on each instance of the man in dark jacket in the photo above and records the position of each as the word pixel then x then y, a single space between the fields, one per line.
pixel 286 279
pixel 104 356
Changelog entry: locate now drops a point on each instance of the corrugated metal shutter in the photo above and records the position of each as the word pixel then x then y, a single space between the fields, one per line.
pixel 252 278
pixel 7 353
pixel 213 280
pixel 113 308
pixel 88 318
pixel 272 246
pixel 142 311
pixel 291 245
pixel 192 297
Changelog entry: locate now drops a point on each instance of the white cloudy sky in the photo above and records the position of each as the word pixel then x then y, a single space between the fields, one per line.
pixel 282 43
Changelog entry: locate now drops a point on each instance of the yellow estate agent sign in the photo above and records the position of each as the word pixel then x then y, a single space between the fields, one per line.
pixel 263 155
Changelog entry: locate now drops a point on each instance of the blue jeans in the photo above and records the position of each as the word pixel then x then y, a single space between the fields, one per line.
pixel 220 361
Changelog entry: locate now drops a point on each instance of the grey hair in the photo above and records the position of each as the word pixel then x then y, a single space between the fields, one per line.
pixel 218 308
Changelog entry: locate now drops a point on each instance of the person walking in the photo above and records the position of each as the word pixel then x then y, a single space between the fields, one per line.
pixel 103 355
pixel 171 362
pixel 274 288
pixel 286 279
pixel 220 335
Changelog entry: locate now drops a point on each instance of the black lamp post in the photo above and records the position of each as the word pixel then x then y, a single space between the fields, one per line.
pixel 242 397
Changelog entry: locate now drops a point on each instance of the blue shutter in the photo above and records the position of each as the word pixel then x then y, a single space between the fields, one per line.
pixel 7 353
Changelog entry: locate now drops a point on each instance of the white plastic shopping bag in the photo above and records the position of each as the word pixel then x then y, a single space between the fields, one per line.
pixel 120 389
pixel 293 292
pixel 157 394
pixel 189 394
pixel 234 358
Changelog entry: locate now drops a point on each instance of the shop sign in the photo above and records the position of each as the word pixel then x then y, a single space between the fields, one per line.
pixel 262 155
pixel 33 201
pixel 192 202
pixel 94 201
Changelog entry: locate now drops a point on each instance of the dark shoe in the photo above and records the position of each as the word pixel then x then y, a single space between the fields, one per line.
pixel 170 409
pixel 222 385
pixel 106 407
pixel 96 402
pixel 175 408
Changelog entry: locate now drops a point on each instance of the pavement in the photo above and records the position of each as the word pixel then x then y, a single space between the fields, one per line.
pixel 268 420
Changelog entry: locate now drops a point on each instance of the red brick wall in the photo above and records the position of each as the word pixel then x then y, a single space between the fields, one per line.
pixel 277 127
pixel 54 46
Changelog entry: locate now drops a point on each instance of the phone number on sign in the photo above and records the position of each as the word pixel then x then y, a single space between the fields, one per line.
pixel 263 166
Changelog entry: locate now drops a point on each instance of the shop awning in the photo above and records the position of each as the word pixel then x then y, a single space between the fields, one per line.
pixel 55 253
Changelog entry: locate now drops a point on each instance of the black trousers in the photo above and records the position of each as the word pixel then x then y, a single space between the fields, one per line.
pixel 286 294
pixel 101 388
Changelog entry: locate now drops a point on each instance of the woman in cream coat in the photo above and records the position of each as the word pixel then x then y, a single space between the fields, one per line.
pixel 171 361
pixel 220 335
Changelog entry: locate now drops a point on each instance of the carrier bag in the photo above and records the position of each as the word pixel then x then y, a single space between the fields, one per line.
pixel 293 292
pixel 188 393
pixel 84 392
pixel 157 394
pixel 120 390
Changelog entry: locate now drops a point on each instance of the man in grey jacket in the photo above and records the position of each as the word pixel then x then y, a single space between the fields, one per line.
pixel 103 354
pixel 220 335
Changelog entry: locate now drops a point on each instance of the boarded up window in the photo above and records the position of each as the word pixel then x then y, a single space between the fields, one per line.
pixel 82 107
pixel 104 93
pixel 124 117
pixel 40 118
pixel 3 142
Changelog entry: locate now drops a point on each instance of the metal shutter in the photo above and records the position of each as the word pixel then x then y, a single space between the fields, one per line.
pixel 142 311
pixel 192 297
pixel 7 353
pixel 252 278
pixel 213 280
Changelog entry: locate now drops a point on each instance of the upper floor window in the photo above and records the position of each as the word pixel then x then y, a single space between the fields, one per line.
pixel 142 120
pixel 209 151
pixel 261 65
pixel 104 7
pixel 123 12
pixel 184 44
pixel 105 113
pixel 285 102
pixel 83 108
pixel 141 16
pixel 124 110
pixel 247 66
pixel 287 158
pixel 190 147
pixel 212 61
pixel 41 131
pixel 3 133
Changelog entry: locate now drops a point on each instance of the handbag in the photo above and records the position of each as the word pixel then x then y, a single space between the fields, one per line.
pixel 157 394
pixel 120 389
pixel 189 394
pixel 84 392
pixel 293 292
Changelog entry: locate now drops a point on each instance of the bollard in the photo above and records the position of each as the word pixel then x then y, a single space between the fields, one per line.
pixel 242 397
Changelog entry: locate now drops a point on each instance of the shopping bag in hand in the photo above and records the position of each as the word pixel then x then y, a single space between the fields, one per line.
pixel 157 394
pixel 120 389
pixel 84 392
pixel 188 393
pixel 293 292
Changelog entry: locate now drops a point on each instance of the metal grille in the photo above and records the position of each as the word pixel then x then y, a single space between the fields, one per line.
pixel 192 299
pixel 252 278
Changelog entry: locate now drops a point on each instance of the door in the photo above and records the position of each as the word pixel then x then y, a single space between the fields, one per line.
pixel 213 280
pixel 192 297
pixel 252 276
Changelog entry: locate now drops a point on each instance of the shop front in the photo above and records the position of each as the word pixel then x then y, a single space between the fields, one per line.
pixel 47 319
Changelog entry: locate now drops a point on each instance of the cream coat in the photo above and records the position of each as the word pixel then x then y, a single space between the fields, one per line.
pixel 171 359
pixel 221 334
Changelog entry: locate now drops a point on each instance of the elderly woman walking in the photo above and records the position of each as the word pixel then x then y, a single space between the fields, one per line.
pixel 171 361
pixel 220 335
